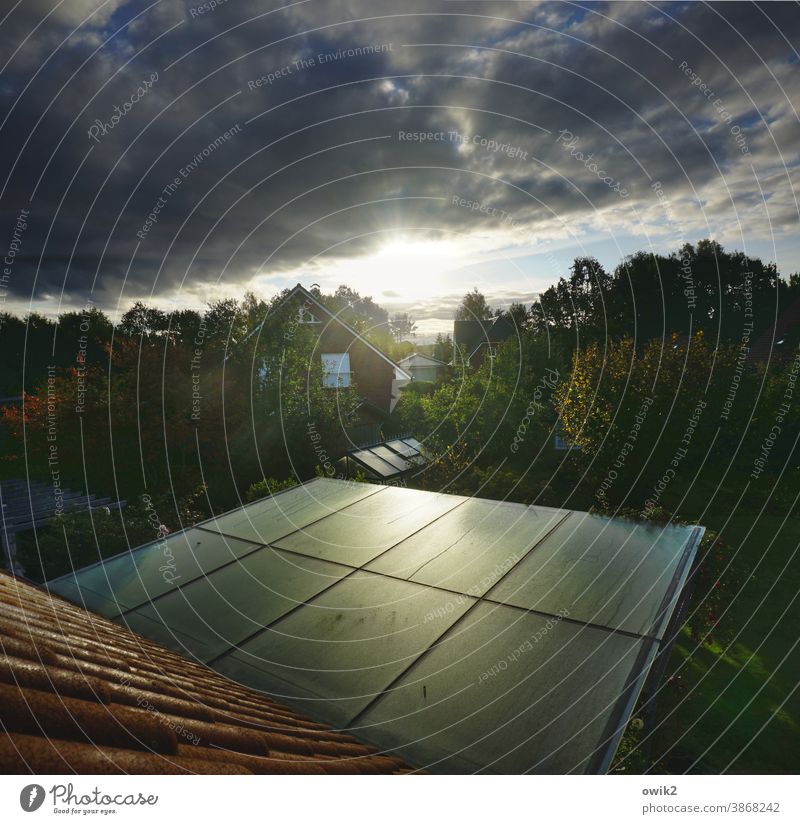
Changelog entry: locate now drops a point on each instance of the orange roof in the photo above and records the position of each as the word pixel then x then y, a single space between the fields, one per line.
pixel 81 694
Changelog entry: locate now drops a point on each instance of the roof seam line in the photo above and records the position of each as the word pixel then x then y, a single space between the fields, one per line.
pixel 447 630
pixel 257 547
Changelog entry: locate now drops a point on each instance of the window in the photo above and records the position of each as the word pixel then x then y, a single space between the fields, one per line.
pixel 492 350
pixel 563 445
pixel 263 374
pixel 336 370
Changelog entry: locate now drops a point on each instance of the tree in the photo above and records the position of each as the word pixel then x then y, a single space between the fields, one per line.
pixel 518 314
pixel 362 313
pixel 142 321
pixel 473 306
pixel 443 348
pixel 575 308
pixel 643 416
pixel 402 326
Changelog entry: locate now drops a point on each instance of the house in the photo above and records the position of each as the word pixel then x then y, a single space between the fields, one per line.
pixel 348 357
pixel 423 367
pixel 459 634
pixel 477 339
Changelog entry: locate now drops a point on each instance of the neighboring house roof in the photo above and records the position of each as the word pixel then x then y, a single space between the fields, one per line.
pixel 301 290
pixel 472 334
pixel 418 359
pixel 458 633
pixel 81 694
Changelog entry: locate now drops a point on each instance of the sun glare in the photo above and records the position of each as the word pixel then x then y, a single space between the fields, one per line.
pixel 404 269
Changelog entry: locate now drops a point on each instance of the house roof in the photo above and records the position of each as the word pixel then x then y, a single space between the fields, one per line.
pixel 80 693
pixel 301 290
pixel 458 633
pixel 470 334
pixel 420 356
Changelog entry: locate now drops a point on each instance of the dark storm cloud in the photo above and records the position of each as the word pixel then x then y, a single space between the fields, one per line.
pixel 180 143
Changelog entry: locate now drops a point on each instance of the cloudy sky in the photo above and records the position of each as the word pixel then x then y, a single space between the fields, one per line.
pixel 183 151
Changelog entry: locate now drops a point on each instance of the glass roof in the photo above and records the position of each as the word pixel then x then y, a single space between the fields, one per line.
pixel 379 466
pixel 464 634
pixel 403 448
pixel 391 458
pixel 508 692
pixel 608 572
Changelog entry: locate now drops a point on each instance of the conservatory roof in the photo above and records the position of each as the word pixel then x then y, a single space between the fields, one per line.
pixel 386 460
pixel 460 634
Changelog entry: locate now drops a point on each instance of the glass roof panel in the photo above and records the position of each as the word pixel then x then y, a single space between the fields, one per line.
pixel 188 645
pixel 346 646
pixel 133 578
pixel 402 448
pixel 73 589
pixel 391 457
pixel 413 443
pixel 233 603
pixel 383 469
pixel 270 518
pixel 604 571
pixel 370 527
pixel 510 692
pixel 470 548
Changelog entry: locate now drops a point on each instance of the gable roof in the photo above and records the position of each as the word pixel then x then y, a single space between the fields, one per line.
pixel 301 290
pixel 80 693
pixel 470 334
pixel 421 356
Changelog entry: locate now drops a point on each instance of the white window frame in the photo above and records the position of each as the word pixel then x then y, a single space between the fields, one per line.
pixel 336 375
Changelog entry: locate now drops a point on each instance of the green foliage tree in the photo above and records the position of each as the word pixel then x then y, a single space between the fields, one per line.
pixel 362 313
pixel 473 306
pixel 402 326
pixel 443 348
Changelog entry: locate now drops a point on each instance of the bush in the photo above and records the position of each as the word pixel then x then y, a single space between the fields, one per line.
pixel 75 540
pixel 419 388
pixel 267 487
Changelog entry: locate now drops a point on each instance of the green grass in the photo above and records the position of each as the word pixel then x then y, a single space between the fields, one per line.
pixel 733 707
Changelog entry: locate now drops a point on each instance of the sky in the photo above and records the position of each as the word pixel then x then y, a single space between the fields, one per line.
pixel 182 152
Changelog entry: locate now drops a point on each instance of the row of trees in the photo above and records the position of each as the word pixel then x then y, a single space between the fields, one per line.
pixel 169 401
pixel 648 296
pixel 601 356
pixel 33 343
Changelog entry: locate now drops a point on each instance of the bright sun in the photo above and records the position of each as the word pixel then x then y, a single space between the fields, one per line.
pixel 406 268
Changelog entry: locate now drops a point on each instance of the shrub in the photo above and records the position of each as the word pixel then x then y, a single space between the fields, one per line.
pixel 267 487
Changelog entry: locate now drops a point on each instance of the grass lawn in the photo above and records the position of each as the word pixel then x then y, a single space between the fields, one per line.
pixel 734 709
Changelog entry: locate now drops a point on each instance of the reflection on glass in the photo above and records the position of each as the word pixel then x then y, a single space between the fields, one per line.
pixel 610 572
pixel 508 692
